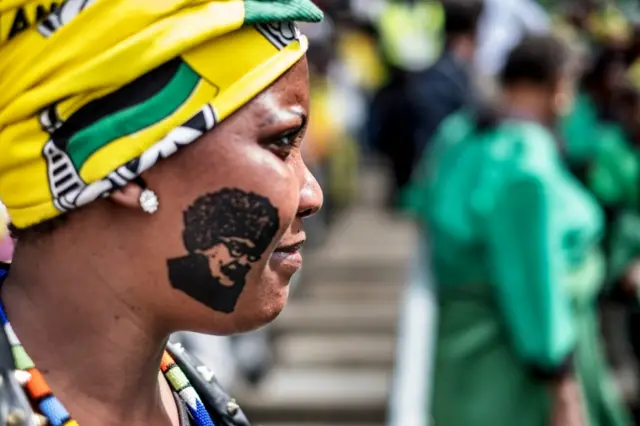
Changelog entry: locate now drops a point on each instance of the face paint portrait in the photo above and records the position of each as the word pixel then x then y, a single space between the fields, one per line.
pixel 224 233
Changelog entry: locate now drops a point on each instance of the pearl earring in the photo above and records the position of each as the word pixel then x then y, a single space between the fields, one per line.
pixel 149 201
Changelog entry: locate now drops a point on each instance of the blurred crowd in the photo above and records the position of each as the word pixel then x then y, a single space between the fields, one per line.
pixel 511 130
pixel 520 162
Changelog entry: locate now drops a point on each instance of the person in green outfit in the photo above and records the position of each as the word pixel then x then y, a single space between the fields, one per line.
pixel 594 109
pixel 614 180
pixel 515 256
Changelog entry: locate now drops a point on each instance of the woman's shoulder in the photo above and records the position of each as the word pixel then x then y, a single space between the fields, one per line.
pixel 14 403
pixel 526 147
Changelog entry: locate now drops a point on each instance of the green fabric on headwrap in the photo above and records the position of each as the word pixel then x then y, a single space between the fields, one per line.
pixel 262 11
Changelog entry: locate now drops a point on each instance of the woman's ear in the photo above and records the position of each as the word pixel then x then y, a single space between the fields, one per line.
pixel 128 196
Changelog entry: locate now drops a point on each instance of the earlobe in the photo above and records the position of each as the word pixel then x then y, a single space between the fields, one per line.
pixel 128 196
pixel 137 196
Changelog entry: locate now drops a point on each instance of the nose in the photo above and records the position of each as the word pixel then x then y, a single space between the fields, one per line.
pixel 311 197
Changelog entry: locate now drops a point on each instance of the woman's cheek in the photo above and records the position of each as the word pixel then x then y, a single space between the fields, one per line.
pixel 277 181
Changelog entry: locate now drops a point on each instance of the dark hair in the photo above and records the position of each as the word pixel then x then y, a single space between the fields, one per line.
pixel 540 60
pixel 461 17
pixel 231 213
pixel 40 229
pixel 627 96
pixel 487 115
pixel 604 61
pixel 626 106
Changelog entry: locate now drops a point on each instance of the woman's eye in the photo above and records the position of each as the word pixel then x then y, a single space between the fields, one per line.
pixel 282 145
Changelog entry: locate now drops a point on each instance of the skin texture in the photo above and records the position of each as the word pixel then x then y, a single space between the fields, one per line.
pixel 545 104
pixel 92 301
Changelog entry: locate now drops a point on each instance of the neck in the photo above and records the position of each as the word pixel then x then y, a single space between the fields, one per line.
pixel 99 354
pixel 462 48
pixel 527 104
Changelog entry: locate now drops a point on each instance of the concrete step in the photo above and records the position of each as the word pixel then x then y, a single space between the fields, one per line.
pixel 337 317
pixel 352 291
pixel 319 395
pixel 320 424
pixel 327 350
pixel 353 272
pixel 367 235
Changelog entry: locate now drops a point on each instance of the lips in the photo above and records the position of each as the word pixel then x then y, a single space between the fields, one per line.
pixel 287 259
pixel 291 248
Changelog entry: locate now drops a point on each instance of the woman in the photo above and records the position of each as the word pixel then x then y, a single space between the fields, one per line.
pixel 614 178
pixel 117 249
pixel 517 332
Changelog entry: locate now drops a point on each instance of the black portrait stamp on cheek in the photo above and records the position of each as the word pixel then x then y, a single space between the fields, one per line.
pixel 225 233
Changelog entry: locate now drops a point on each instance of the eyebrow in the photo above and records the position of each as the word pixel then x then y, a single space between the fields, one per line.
pixel 274 117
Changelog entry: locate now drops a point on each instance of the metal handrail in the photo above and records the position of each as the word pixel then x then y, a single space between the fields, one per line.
pixel 411 388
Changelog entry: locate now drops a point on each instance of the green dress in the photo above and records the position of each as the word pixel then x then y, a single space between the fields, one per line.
pixel 517 274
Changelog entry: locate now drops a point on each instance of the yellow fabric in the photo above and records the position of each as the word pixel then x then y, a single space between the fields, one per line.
pixel 359 53
pixel 55 71
pixel 610 25
pixel 633 74
pixel 411 34
pixel 322 130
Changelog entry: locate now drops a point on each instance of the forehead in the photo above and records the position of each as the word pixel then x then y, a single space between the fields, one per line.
pixel 289 93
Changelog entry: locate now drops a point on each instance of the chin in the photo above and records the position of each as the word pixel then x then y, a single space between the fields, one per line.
pixel 264 310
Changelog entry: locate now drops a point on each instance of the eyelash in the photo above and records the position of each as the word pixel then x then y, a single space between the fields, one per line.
pixel 285 142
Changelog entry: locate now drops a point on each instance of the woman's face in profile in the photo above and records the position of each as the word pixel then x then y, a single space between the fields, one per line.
pixel 224 244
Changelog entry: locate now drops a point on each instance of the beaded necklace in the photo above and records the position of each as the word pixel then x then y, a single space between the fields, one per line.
pixel 43 400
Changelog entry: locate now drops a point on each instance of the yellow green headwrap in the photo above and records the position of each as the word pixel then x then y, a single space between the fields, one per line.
pixel 96 92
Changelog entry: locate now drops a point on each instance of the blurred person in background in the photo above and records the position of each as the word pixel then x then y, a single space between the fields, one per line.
pixel 503 25
pixel 153 175
pixel 516 260
pixel 406 30
pixel 594 111
pixel 570 20
pixel 614 179
pixel 599 152
pixel 409 37
pixel 329 147
pixel 447 86
pixel 410 33
pixel 358 71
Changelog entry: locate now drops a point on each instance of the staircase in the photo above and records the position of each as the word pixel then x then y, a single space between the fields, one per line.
pixel 335 341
